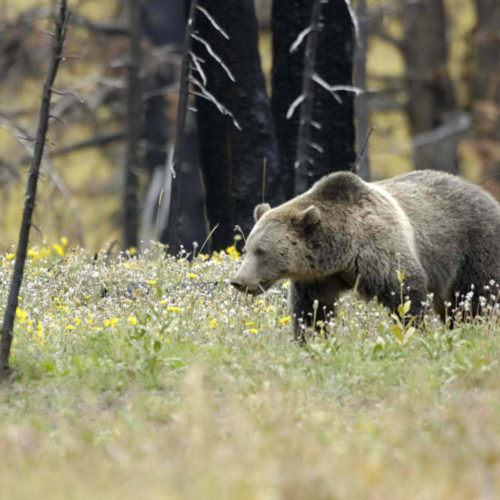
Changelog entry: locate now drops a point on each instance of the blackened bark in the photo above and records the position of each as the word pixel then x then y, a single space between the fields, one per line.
pixel 486 90
pixel 431 100
pixel 173 226
pixel 233 161
pixel 303 162
pixel 361 104
pixel 336 138
pixel 163 23
pixel 30 198
pixel 134 130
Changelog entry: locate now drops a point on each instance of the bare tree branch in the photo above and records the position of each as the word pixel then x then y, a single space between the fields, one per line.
pixel 214 22
pixel 334 89
pixel 108 28
pixel 97 140
pixel 300 38
pixel 214 55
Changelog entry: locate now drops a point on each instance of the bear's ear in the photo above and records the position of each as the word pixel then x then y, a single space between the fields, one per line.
pixel 309 217
pixel 260 210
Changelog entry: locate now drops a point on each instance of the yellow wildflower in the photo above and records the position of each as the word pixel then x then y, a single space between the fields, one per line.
pixel 59 249
pixel 64 241
pixel 192 275
pixel 10 256
pixel 250 323
pixel 39 335
pixel 284 320
pixel 132 250
pixel 21 315
pixel 70 327
pixel 253 330
pixel 77 320
pixel 212 323
pixel 232 252
pixel 132 320
pixel 174 309
pixel 151 282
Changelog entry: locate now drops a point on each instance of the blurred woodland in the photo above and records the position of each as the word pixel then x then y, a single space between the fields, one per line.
pixel 431 71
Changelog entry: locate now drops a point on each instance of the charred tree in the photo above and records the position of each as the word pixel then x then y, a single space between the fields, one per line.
pixel 362 111
pixel 31 187
pixel 486 90
pixel 332 140
pixel 304 160
pixel 432 108
pixel 240 166
pixel 164 25
pixel 175 188
pixel 134 130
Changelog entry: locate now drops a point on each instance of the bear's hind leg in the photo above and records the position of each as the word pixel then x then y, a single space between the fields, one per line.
pixel 414 288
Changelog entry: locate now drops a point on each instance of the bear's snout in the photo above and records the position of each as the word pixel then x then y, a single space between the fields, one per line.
pixel 238 284
pixel 245 286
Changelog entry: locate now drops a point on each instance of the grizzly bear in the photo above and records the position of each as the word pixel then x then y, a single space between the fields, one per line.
pixel 344 233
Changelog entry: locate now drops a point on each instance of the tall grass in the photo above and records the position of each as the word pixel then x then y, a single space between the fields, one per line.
pixel 148 377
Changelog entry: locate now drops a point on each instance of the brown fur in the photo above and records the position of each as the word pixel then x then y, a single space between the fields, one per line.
pixel 442 231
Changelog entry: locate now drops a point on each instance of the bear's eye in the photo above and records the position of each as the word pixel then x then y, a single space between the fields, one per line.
pixel 260 251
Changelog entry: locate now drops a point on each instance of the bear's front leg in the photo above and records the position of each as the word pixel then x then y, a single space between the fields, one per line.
pixel 301 297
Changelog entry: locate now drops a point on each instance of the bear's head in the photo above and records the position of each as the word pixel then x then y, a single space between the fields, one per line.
pixel 304 239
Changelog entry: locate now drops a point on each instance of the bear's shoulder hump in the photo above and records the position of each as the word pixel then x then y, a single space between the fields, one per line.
pixel 339 186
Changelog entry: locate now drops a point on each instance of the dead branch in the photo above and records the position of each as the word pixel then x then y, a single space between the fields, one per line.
pixel 109 28
pixel 97 140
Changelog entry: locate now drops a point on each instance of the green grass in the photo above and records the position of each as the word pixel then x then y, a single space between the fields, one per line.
pixel 151 378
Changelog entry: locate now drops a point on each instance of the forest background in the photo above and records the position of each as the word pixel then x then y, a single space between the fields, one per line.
pixel 80 197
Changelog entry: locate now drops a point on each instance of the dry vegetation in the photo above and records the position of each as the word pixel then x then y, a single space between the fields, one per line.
pixel 149 377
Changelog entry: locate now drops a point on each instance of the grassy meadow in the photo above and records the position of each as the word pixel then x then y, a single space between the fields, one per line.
pixel 149 377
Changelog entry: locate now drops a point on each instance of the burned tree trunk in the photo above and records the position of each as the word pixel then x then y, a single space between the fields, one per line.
pixel 361 105
pixel 486 90
pixel 240 167
pixel 31 188
pixel 432 109
pixel 164 24
pixel 332 136
pixel 134 131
